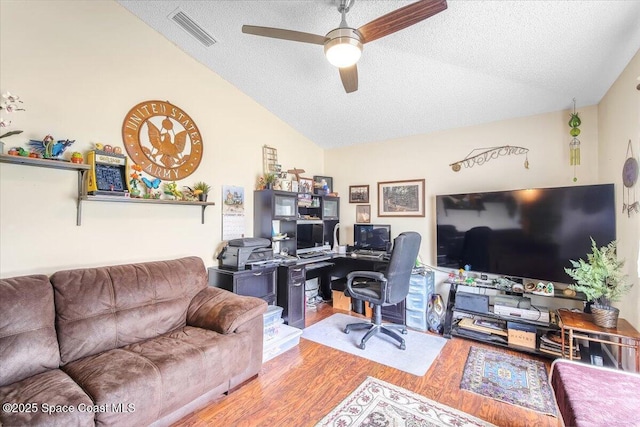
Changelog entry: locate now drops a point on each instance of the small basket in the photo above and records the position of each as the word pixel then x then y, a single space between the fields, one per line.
pixel 605 317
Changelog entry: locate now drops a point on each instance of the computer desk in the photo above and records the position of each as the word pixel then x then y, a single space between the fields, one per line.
pixel 331 271
pixel 284 284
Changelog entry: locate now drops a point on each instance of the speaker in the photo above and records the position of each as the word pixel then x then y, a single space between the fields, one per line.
pixel 472 302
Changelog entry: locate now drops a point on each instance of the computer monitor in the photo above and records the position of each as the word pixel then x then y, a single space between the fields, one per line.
pixel 375 237
pixel 310 237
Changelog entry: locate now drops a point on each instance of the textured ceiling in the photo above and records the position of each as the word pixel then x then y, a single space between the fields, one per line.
pixel 476 62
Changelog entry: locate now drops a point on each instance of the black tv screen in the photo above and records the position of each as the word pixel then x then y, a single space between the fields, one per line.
pixel 524 233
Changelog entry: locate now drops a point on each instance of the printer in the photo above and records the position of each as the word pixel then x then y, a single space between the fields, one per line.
pixel 245 253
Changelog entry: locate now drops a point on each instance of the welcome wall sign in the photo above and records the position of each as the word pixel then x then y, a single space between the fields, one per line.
pixel 162 139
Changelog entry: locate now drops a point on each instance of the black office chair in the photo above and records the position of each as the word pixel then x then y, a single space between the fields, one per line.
pixel 388 288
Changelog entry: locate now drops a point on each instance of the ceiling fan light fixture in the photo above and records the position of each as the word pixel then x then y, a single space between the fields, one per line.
pixel 344 47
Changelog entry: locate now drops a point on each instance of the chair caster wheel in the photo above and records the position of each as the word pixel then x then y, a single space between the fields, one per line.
pixel 404 332
pixel 346 330
pixel 361 346
pixel 403 346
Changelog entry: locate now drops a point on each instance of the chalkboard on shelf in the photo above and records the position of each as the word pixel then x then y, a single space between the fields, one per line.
pixel 108 174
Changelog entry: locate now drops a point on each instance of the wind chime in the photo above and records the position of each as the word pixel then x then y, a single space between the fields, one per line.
pixel 574 145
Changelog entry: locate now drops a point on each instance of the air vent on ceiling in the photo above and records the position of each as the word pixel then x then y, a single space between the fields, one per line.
pixel 191 27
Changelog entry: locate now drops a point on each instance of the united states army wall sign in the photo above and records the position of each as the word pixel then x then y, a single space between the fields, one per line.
pixel 162 139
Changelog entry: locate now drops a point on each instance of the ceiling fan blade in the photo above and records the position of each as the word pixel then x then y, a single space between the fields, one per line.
pixel 278 33
pixel 349 76
pixel 400 19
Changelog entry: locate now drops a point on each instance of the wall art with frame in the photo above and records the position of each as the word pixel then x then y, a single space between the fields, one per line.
pixel 363 214
pixel 401 198
pixel 358 194
pixel 305 185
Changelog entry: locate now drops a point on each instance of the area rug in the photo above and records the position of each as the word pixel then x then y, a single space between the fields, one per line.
pixel 510 379
pixel 378 403
pixel 422 349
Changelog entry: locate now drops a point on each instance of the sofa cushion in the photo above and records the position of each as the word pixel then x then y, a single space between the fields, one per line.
pixel 162 374
pixel 47 399
pixel 28 343
pixel 99 309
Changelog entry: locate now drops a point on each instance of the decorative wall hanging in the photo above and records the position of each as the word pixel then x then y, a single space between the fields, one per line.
pixel 162 139
pixel 401 198
pixel 629 179
pixel 488 154
pixel 269 160
pixel 574 145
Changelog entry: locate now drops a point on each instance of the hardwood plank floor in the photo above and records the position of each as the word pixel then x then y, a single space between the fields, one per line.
pixel 299 387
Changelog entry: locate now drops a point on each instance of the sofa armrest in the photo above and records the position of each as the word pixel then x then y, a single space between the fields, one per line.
pixel 222 311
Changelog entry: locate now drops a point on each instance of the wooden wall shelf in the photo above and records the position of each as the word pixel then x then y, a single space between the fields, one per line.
pixel 120 199
pixel 82 169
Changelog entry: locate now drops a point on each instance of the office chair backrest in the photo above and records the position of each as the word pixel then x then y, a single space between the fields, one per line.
pixel 403 259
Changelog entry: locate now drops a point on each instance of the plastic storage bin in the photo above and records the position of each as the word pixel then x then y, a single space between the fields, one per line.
pixel 272 315
pixel 272 322
pixel 287 338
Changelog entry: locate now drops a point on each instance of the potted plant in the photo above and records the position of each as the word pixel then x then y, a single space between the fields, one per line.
pixel 602 281
pixel 201 189
pixel 269 180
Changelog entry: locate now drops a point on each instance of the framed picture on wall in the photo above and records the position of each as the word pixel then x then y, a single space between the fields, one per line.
pixel 305 185
pixel 318 182
pixel 363 214
pixel 401 198
pixel 358 194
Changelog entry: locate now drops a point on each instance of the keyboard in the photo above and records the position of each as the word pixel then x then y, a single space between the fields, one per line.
pixel 369 252
pixel 312 255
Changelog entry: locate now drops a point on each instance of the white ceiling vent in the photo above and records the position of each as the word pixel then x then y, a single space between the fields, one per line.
pixel 191 27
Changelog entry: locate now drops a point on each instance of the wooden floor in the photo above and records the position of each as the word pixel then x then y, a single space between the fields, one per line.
pixel 299 387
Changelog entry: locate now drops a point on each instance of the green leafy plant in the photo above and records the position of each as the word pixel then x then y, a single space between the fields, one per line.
pixel 600 277
pixel 270 178
pixel 202 187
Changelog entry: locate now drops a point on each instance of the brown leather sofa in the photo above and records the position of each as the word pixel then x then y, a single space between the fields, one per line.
pixel 135 344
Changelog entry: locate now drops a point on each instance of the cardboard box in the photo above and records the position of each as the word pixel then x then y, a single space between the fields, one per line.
pixel 522 338
pixel 341 301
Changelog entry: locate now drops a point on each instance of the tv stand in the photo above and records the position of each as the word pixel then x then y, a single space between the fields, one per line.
pixel 519 333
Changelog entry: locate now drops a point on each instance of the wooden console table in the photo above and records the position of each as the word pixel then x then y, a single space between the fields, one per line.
pixel 580 325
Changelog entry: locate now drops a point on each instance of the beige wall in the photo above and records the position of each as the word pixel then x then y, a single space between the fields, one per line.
pixel 80 67
pixel 619 122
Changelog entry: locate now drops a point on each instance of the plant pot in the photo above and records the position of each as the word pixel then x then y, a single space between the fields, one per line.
pixel 202 197
pixel 605 317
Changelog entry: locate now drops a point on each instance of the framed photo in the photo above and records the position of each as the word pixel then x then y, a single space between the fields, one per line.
pixel 305 185
pixel 358 194
pixel 363 214
pixel 401 198
pixel 317 181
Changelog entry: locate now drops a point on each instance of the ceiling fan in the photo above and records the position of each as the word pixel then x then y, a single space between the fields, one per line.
pixel 343 45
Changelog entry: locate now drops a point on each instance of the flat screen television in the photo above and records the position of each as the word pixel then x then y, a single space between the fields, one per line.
pixel 374 237
pixel 310 236
pixel 524 233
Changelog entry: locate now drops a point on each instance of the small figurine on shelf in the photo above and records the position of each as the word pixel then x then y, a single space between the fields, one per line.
pixel 135 179
pixel 151 185
pixel 76 157
pixel 49 148
pixel 171 190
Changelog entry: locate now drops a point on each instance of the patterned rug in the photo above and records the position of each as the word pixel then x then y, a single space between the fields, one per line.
pixel 377 403
pixel 510 379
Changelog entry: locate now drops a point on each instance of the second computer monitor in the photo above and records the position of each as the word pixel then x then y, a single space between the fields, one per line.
pixel 375 237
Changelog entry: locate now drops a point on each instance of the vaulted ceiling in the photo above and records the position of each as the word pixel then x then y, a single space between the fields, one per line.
pixel 475 62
